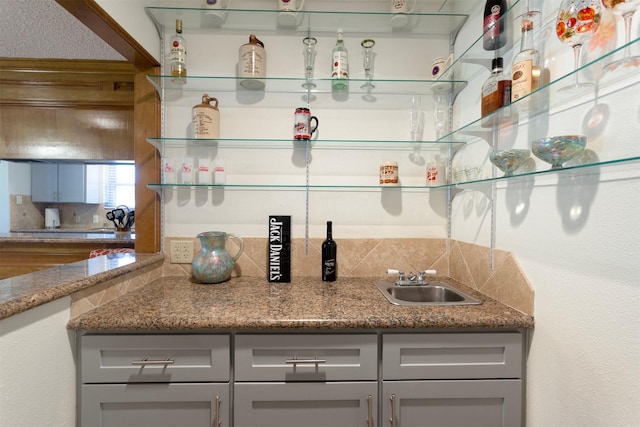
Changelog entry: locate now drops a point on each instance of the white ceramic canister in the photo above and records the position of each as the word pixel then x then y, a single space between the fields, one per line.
pixel 206 119
pixel 252 64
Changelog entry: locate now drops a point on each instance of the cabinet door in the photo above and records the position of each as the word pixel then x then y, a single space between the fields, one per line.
pixel 305 404
pixel 456 403
pixel 158 405
pixel 44 182
pixel 71 183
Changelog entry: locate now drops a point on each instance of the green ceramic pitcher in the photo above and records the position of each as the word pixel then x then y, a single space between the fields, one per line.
pixel 213 264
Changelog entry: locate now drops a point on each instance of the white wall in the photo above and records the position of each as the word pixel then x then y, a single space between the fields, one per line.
pixel 576 237
pixel 37 370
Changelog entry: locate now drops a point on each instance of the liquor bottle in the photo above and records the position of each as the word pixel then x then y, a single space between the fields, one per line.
pixel 339 64
pixel 329 256
pixel 494 32
pixel 496 91
pixel 526 65
pixel 178 58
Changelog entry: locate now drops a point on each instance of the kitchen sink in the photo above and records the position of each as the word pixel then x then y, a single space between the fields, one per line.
pixel 433 293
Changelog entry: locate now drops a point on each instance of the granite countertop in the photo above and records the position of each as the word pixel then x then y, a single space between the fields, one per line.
pixel 46 236
pixel 178 304
pixel 20 293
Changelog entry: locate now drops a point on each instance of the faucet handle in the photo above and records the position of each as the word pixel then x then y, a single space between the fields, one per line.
pixel 400 273
pixel 428 272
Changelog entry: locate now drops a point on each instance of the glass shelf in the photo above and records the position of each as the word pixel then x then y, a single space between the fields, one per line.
pixel 275 85
pixel 334 144
pixel 429 19
pixel 478 184
pixel 542 100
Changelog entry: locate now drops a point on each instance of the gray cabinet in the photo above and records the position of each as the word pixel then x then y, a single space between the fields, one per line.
pixel 65 183
pixel 306 380
pixel 136 380
pixel 297 379
pixel 453 379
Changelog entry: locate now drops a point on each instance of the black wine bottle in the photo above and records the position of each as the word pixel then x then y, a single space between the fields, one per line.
pixel 494 27
pixel 329 257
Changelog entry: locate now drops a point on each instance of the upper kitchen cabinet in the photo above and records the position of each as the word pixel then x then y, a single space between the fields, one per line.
pixel 66 109
pixel 65 183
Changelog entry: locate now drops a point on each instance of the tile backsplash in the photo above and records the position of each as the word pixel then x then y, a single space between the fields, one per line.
pixel 29 215
pixel 465 262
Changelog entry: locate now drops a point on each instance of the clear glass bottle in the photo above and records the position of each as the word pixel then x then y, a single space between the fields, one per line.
pixel 178 57
pixel 496 91
pixel 340 64
pixel 526 65
pixel 329 256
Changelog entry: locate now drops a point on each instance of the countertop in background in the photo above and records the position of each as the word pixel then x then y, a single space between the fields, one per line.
pixel 69 235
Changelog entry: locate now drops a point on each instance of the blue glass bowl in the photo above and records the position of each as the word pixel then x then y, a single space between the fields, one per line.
pixel 509 161
pixel 557 150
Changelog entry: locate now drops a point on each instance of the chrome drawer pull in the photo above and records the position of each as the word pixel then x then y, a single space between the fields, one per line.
pixel 146 361
pixel 393 420
pixel 370 411
pixel 217 422
pixel 296 361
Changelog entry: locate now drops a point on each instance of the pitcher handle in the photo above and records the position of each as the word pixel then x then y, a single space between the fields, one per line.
pixel 240 242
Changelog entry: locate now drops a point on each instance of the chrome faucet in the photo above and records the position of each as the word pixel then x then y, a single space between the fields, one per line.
pixel 412 279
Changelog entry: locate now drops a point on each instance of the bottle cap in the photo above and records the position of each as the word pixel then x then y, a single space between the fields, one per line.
pixel 178 25
pixel 496 63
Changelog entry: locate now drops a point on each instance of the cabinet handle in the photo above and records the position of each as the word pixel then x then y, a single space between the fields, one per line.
pixel 296 361
pixel 146 361
pixel 392 420
pixel 370 412
pixel 217 420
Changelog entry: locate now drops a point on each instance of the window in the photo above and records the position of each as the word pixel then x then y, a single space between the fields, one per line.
pixel 119 188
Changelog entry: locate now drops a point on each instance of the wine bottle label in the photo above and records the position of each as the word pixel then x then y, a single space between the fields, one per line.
pixel 329 266
pixel 491 23
pixel 523 79
pixel 497 94
pixel 340 65
pixel 178 51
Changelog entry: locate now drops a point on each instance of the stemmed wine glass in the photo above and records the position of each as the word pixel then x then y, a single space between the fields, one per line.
pixel 416 120
pixel 367 62
pixel 309 59
pixel 626 8
pixel 577 22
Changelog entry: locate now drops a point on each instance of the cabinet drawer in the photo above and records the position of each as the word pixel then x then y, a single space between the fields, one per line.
pixel 305 404
pixel 452 356
pixel 305 357
pixel 141 358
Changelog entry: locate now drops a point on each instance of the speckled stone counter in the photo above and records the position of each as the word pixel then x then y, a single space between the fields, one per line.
pixel 178 304
pixel 68 237
pixel 21 293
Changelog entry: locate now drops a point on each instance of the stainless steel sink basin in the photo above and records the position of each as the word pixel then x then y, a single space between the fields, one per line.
pixel 433 293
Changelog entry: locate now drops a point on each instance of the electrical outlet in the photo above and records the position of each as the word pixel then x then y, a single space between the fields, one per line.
pixel 181 251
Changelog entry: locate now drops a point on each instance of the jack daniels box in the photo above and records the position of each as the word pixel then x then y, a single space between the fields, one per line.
pixel 279 250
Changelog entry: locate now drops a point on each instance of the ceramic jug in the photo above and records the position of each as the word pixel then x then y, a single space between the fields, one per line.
pixel 213 264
